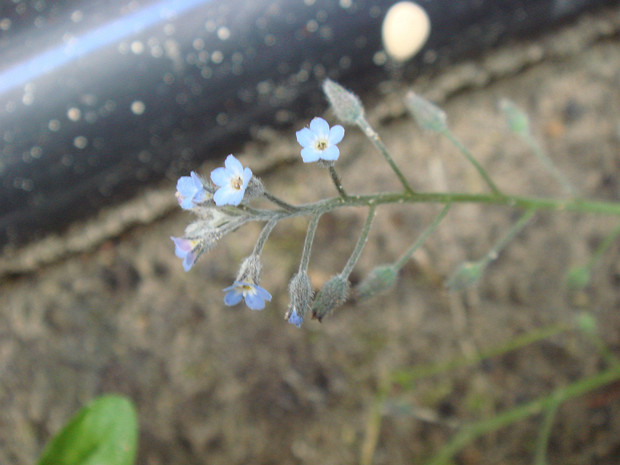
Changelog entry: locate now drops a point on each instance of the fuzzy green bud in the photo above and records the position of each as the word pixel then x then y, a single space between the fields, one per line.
pixel 466 275
pixel 577 278
pixel 333 294
pixel 300 292
pixel 517 120
pixel 346 105
pixel 380 279
pixel 426 114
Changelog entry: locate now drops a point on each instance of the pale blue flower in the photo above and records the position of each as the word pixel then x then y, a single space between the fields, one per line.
pixel 254 295
pixel 232 182
pixel 319 141
pixel 295 319
pixel 190 191
pixel 185 249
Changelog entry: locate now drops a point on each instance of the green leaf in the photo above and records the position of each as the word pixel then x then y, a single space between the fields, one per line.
pixel 105 432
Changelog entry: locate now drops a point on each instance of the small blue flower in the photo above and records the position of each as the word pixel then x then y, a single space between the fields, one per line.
pixel 185 249
pixel 232 182
pixel 319 141
pixel 190 191
pixel 253 294
pixel 295 319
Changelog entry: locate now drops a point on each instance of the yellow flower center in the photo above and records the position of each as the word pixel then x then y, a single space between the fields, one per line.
pixel 320 144
pixel 236 182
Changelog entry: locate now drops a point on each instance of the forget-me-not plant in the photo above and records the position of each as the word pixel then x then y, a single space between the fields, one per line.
pixel 237 187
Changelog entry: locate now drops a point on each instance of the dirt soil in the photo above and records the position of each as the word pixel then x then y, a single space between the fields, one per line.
pixel 218 385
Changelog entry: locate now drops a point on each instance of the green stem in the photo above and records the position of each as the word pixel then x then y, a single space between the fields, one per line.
pixel 427 232
pixel 305 254
pixel 546 161
pixel 603 246
pixel 361 242
pixel 365 126
pixel 545 432
pixel 279 202
pixel 470 433
pixel 461 148
pixel 264 234
pixel 408 377
pixel 337 182
pixel 514 230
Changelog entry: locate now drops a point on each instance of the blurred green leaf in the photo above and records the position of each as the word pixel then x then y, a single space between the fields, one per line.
pixel 104 432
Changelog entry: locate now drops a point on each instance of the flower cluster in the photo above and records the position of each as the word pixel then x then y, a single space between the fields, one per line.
pixel 220 203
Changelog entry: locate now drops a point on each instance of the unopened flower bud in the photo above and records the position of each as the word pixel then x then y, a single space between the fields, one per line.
pixel 255 188
pixel 380 279
pixel 333 294
pixel 466 275
pixel 300 292
pixel 346 105
pixel 517 120
pixel 426 114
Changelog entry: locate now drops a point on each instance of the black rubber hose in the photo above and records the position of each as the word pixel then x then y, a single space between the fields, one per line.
pixel 98 99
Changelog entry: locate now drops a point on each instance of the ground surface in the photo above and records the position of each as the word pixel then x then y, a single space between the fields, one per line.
pixel 228 386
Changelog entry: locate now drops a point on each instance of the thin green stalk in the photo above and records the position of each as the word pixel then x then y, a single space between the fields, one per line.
pixel 427 232
pixel 509 236
pixel 264 234
pixel 459 145
pixel 305 254
pixel 540 457
pixel 410 376
pixel 361 242
pixel 603 246
pixel 279 202
pixel 365 126
pixel 549 165
pixel 472 432
pixel 337 182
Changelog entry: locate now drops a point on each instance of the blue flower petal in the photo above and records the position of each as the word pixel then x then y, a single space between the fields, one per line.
pixel 233 165
pixel 232 297
pixel 219 176
pixel 185 186
pixel 295 319
pixel 254 302
pixel 189 261
pixel 309 155
pixel 247 175
pixel 319 127
pixel 263 294
pixel 335 134
pixel 331 153
pixel 305 137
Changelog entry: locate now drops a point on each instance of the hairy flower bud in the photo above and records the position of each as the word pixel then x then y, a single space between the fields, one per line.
pixel 426 114
pixel 333 294
pixel 300 291
pixel 380 279
pixel 346 105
